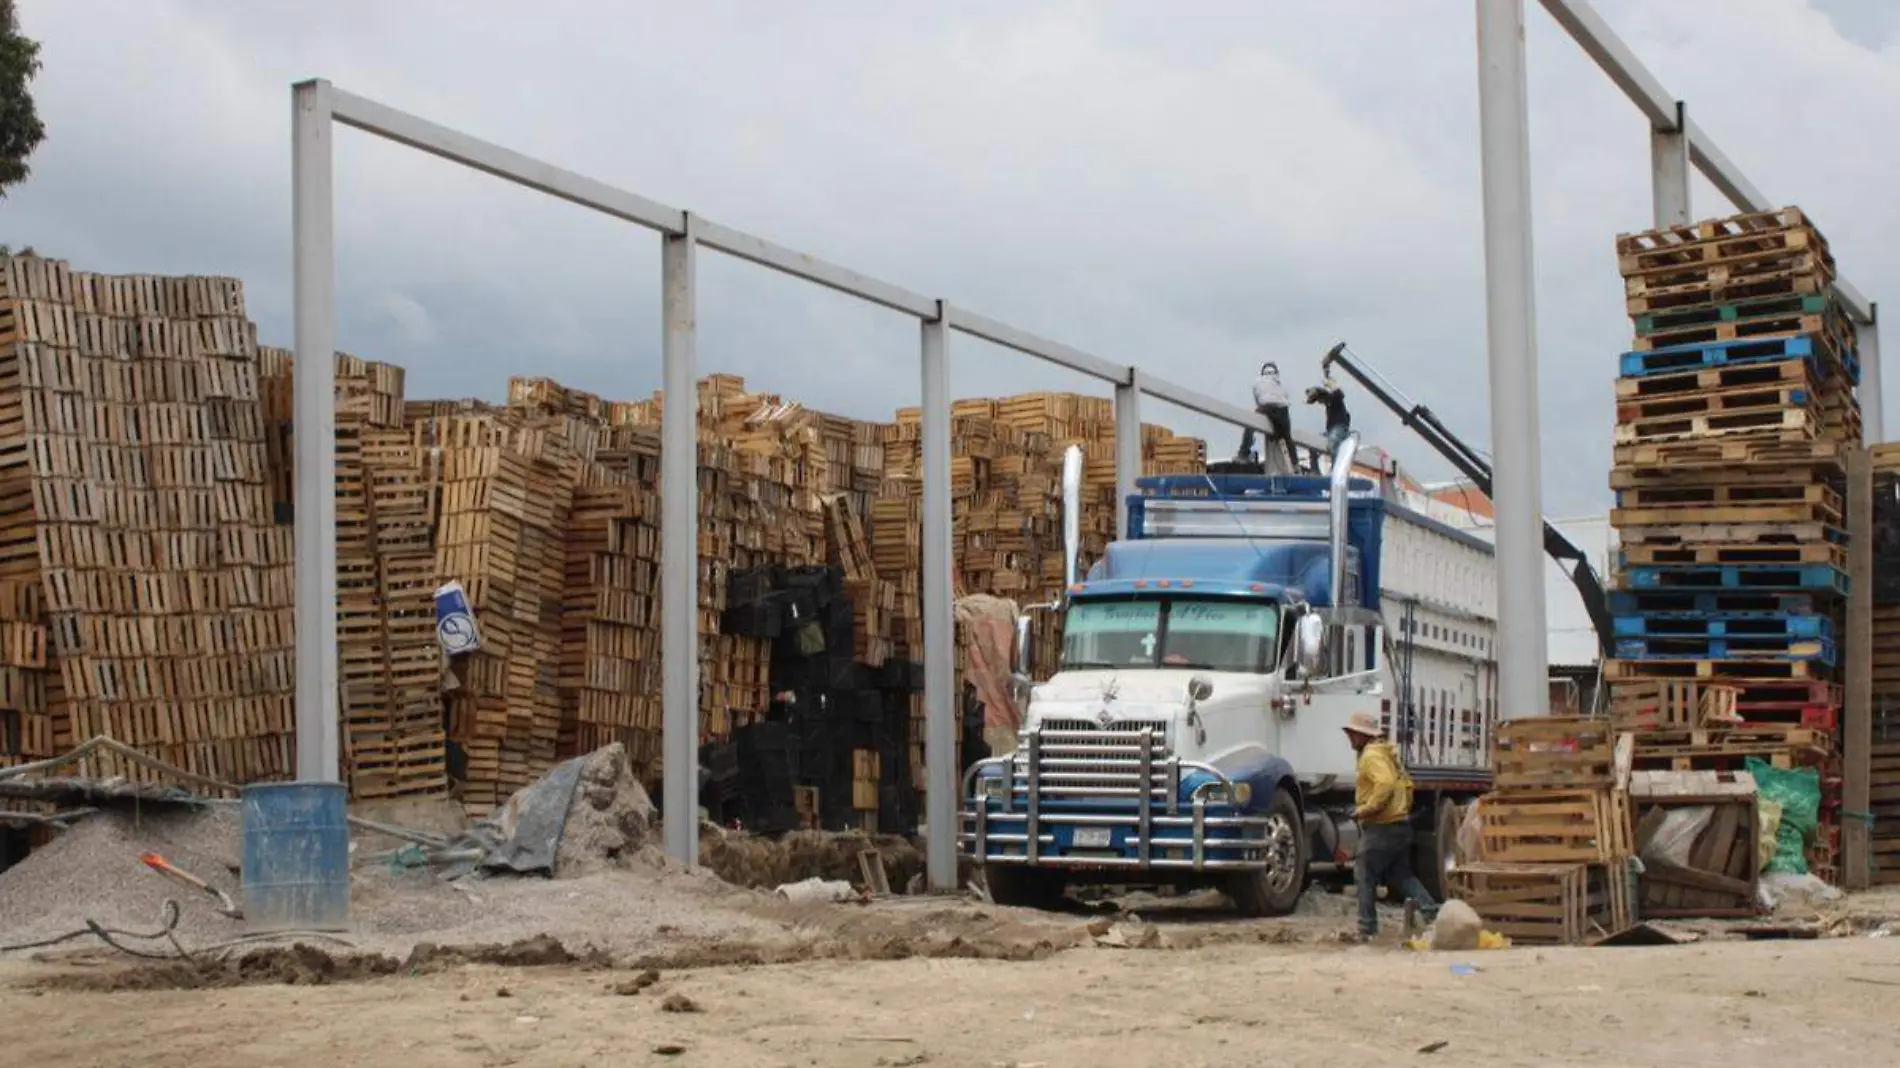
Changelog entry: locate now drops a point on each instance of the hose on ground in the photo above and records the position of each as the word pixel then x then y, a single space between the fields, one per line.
pixel 110 935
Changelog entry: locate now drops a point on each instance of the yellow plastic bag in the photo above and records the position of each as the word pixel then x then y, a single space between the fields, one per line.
pixel 1486 940
pixel 1768 814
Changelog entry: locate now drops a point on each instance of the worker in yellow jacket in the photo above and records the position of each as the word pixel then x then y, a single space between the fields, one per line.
pixel 1382 807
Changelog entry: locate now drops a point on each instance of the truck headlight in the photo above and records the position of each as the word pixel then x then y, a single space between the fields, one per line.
pixel 1219 793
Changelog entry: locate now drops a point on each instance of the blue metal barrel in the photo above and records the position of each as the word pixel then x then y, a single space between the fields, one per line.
pixel 296 857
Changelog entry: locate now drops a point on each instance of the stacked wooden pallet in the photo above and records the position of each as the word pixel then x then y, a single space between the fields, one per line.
pixel 506 500
pixel 1556 834
pixel 1886 666
pixel 1733 409
pixel 389 665
pixel 145 546
pixel 137 504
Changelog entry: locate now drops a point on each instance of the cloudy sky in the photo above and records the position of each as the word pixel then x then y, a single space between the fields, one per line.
pixel 1192 187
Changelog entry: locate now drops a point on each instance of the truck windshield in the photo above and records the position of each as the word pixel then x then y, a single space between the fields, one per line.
pixel 1213 635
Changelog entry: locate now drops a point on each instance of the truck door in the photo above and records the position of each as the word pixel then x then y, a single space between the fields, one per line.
pixel 1314 710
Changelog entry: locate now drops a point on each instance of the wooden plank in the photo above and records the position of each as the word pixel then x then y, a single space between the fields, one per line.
pixel 1857 728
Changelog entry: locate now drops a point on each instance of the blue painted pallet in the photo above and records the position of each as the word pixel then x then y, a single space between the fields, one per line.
pixel 1724 625
pixel 1725 649
pixel 1739 577
pixel 1629 602
pixel 1676 359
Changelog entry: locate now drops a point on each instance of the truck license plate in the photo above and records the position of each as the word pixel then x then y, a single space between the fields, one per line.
pixel 1094 837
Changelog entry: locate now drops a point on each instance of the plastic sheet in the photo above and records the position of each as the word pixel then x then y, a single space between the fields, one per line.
pixel 1674 838
pixel 1798 792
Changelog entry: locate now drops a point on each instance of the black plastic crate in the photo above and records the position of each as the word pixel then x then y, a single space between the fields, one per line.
pixel 750 585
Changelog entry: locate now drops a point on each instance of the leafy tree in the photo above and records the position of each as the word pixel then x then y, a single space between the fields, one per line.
pixel 20 128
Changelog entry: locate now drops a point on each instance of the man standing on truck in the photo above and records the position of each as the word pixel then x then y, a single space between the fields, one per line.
pixel 1338 419
pixel 1382 807
pixel 1269 399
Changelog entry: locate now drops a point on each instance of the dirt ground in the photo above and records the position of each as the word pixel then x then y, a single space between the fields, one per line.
pixel 1733 1004
pixel 623 958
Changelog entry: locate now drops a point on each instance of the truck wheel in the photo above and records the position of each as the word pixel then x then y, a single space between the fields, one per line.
pixel 1434 853
pixel 1024 887
pixel 1275 890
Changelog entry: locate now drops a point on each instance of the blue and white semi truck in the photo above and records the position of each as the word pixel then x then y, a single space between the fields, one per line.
pixel 1192 734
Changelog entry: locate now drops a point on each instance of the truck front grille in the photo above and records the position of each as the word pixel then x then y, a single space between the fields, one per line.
pixel 1081 758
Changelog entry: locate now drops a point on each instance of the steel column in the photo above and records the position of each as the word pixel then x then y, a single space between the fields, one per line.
pixel 679 543
pixel 1504 135
pixel 313 423
pixel 1873 428
pixel 940 698
pixel 1127 446
pixel 1669 170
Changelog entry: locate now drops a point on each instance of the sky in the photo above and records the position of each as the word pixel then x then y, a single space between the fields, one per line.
pixel 1192 188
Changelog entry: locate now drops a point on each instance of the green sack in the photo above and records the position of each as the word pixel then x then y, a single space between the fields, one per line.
pixel 1798 792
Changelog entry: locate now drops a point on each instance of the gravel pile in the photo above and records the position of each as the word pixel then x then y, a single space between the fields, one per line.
pixel 93 872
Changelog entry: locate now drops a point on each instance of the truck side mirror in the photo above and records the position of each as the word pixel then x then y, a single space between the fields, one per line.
pixel 1200 687
pixel 1309 644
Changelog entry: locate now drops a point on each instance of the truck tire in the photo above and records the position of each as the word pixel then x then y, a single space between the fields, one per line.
pixel 1275 890
pixel 1434 851
pixel 1024 887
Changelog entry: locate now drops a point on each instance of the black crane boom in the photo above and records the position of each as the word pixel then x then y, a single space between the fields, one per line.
pixel 1475 467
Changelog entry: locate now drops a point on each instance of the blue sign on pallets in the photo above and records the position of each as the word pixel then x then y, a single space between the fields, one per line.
pixel 1723 625
pixel 1767 649
pixel 1694 578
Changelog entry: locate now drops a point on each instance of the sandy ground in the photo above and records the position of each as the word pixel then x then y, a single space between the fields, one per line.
pixel 1733 1004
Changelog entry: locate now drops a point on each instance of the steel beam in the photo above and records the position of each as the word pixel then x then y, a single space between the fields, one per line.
pixel 812 269
pixel 1025 342
pixel 1581 21
pixel 1669 172
pixel 940 705
pixel 1127 447
pixel 313 425
pixel 1873 427
pixel 472 152
pixel 679 543
pixel 1511 316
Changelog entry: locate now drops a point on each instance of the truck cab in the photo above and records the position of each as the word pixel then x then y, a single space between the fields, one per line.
pixel 1192 734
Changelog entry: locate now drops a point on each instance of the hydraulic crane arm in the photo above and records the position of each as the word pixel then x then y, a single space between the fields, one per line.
pixel 1475 467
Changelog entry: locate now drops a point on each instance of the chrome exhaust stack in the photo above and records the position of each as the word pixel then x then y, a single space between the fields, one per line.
pixel 1340 497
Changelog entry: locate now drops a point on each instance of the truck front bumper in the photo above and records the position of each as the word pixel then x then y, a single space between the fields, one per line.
pixel 1128 829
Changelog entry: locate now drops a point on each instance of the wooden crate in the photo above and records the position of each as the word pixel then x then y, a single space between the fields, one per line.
pixel 1555 826
pixel 1546 904
pixel 1638 704
pixel 1723 868
pixel 1555 753
pixel 1534 904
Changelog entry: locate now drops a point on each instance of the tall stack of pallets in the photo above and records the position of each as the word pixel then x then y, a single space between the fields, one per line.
pixel 1885 779
pixel 135 493
pixel 1733 410
pixel 1555 838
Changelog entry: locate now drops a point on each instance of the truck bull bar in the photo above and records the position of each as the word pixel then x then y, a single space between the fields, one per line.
pixel 1077 767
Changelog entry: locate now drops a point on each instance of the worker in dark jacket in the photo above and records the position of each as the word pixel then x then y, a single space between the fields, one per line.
pixel 1382 807
pixel 1338 419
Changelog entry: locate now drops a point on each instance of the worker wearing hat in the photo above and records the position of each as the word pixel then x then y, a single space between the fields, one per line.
pixel 1382 807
